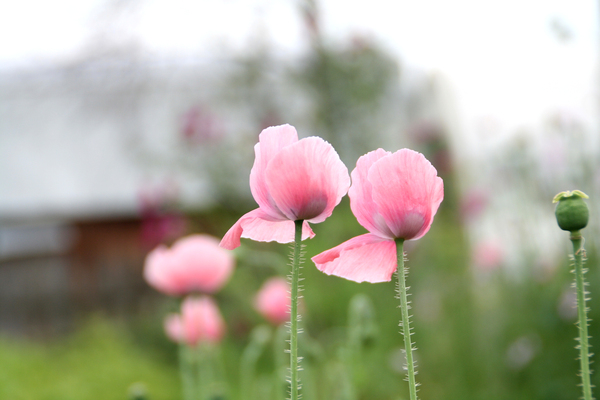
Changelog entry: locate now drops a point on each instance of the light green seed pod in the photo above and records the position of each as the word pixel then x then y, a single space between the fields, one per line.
pixel 572 212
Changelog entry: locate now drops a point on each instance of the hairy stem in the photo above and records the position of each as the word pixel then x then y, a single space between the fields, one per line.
pixel 294 380
pixel 580 284
pixel 405 323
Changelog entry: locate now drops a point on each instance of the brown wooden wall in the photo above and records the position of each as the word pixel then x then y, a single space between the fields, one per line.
pixel 97 268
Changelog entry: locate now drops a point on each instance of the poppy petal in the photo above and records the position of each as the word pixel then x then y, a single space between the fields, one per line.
pixel 271 141
pixel 360 193
pixel 307 180
pixel 407 191
pixel 260 226
pixel 364 258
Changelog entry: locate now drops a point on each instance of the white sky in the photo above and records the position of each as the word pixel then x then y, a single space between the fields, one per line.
pixel 503 61
pixel 501 56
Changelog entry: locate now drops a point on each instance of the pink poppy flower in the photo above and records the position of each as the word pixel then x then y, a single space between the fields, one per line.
pixel 392 196
pixel 194 263
pixel 199 322
pixel 291 180
pixel 273 301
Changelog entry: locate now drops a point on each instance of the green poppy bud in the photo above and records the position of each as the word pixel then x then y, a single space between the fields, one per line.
pixel 572 212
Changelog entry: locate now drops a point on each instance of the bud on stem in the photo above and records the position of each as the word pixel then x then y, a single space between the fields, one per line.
pixel 572 212
pixel 572 215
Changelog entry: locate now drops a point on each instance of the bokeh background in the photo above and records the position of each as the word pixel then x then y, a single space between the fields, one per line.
pixel 129 123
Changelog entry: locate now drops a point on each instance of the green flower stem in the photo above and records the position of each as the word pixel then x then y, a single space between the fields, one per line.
pixel 405 324
pixel 580 284
pixel 186 369
pixel 203 378
pixel 219 386
pixel 294 380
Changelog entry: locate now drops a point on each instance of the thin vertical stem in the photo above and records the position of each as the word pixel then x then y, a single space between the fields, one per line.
pixel 294 380
pixel 186 369
pixel 580 284
pixel 204 371
pixel 405 323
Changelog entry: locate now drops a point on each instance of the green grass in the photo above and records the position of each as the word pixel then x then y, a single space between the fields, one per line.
pixel 100 361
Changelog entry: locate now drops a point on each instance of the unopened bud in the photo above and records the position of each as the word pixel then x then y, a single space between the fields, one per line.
pixel 572 212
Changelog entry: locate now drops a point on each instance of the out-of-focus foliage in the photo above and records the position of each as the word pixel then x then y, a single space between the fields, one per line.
pixel 354 92
pixel 100 361
pixel 490 282
pixel 479 334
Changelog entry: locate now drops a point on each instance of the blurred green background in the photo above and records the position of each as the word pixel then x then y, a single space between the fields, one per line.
pixel 480 334
pixel 118 148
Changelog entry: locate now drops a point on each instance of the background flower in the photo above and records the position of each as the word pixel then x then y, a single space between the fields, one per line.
pixel 200 321
pixel 273 300
pixel 195 263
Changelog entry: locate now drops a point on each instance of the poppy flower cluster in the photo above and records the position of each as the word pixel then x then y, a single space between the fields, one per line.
pixel 295 183
pixel 194 267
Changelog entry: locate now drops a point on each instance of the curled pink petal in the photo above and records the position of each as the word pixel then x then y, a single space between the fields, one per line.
pixel 231 240
pixel 364 258
pixel 260 226
pixel 407 191
pixel 263 230
pixel 307 180
pixel 194 263
pixel 436 198
pixel 273 300
pixel 271 141
pixel 361 200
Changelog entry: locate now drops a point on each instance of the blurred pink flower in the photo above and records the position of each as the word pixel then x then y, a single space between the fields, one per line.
pixel 473 203
pixel 392 196
pixel 273 301
pixel 199 322
pixel 488 255
pixel 200 125
pixel 194 263
pixel 291 180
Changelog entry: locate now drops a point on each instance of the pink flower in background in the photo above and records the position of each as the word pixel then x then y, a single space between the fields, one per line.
pixel 161 221
pixel 488 256
pixel 194 263
pixel 291 180
pixel 200 125
pixel 392 196
pixel 200 322
pixel 273 301
pixel 473 204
